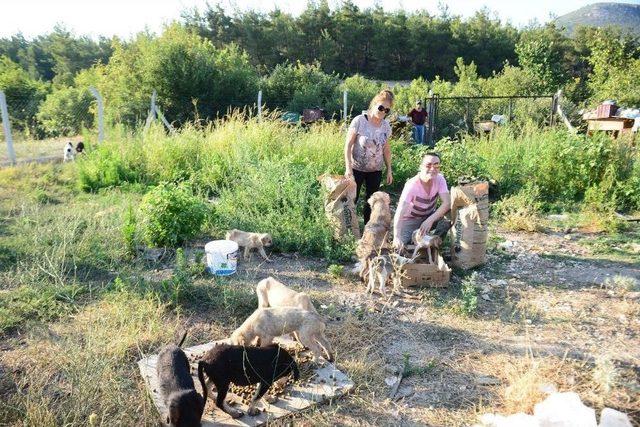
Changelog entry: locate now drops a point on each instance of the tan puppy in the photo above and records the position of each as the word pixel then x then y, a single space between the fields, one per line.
pixel 267 323
pixel 250 241
pixel 428 243
pixel 272 293
pixel 374 236
pixel 383 267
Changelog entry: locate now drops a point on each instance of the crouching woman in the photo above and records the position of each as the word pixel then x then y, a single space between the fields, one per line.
pixel 417 204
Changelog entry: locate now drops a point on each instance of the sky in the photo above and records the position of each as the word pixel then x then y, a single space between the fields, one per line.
pixel 125 18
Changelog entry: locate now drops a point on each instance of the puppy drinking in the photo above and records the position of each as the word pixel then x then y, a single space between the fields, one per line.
pixel 250 241
pixel 185 406
pixel 225 364
pixel 267 323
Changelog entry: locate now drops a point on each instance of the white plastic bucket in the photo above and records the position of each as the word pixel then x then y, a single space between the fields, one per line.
pixel 222 257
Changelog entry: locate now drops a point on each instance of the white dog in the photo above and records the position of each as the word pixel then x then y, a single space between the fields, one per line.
pixel 250 241
pixel 272 293
pixel 267 323
pixel 68 152
pixel 429 243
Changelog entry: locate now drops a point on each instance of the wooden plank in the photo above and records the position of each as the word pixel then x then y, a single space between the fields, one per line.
pixel 299 396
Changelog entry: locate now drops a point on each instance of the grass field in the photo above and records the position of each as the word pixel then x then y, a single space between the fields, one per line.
pixel 80 302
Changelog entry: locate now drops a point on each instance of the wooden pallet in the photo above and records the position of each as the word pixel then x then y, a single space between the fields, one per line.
pixel 320 388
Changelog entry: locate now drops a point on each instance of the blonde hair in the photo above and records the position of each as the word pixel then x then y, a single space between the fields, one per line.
pixel 383 95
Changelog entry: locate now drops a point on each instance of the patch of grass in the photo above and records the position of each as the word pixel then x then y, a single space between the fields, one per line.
pixel 409 369
pixel 469 295
pixel 621 284
pixel 85 368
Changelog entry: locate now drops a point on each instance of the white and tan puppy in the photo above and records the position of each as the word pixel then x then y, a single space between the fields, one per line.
pixel 250 241
pixel 428 243
pixel 272 293
pixel 267 323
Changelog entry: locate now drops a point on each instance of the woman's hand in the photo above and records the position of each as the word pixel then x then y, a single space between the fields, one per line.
pixel 426 226
pixel 389 176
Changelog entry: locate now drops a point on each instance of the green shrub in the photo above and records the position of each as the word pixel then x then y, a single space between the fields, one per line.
pixel 521 211
pixel 295 87
pixel 469 294
pixel 65 111
pixel 360 91
pixel 170 214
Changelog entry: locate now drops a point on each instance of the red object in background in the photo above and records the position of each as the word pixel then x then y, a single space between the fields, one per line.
pixel 605 111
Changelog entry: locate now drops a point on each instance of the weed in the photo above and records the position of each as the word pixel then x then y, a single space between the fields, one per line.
pixel 409 369
pixel 336 270
pixel 469 295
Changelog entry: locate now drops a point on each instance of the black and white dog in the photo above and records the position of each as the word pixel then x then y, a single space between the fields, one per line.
pixel 68 152
pixel 225 364
pixel 185 406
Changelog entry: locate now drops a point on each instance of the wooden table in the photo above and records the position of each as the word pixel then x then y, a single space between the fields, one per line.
pixel 615 125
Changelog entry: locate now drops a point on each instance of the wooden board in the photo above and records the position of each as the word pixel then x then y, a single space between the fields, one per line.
pixel 320 388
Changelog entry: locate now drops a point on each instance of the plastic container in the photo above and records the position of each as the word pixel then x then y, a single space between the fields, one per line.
pixel 222 257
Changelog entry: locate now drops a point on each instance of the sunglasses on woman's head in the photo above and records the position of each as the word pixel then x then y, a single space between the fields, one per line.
pixel 381 108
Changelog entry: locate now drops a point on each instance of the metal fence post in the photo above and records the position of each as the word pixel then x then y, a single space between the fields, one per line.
pixel 259 105
pixel 152 111
pixel 510 110
pixel 432 120
pixel 6 124
pixel 98 98
pixel 344 103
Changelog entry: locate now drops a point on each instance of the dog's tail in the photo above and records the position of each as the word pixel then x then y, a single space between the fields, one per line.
pixel 184 336
pixel 202 382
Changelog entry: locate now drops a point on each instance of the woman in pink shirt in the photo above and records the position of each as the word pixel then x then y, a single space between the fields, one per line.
pixel 417 204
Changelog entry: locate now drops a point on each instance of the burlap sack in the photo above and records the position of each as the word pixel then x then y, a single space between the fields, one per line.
pixel 339 205
pixel 470 216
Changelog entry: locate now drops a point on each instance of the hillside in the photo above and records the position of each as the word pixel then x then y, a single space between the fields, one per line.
pixel 624 15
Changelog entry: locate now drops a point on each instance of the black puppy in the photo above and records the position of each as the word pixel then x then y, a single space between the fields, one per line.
pixel 242 366
pixel 185 406
pixel 80 147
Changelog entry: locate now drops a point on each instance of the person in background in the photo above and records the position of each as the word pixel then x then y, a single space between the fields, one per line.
pixel 367 148
pixel 418 117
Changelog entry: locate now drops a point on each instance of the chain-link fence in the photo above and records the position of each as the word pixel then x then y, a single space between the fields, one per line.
pixel 451 116
pixel 38 128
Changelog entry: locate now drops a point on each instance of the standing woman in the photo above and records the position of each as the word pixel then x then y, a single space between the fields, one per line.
pixel 367 147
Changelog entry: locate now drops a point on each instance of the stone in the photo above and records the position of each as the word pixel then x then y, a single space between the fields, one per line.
pixel 487 380
pixel 564 410
pixel 612 418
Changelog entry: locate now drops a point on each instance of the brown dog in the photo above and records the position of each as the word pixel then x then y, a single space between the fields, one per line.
pixel 374 236
pixel 250 241
pixel 427 243
pixel 267 323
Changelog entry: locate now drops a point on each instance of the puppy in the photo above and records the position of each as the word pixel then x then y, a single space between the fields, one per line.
pixel 383 267
pixel 428 243
pixel 375 232
pixel 250 240
pixel 242 366
pixel 80 147
pixel 272 293
pixel 267 323
pixel 68 152
pixel 185 406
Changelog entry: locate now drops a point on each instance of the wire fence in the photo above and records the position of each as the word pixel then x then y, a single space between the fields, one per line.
pixel 37 128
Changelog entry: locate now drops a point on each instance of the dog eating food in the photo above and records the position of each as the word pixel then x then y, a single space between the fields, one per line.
pixel 251 241
pixel 267 323
pixel 225 364
pixel 185 405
